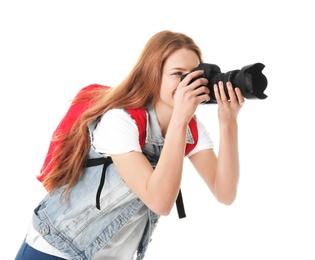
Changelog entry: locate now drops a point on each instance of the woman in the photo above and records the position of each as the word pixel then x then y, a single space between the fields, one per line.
pixel 141 184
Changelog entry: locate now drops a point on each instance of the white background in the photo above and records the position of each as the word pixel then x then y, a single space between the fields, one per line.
pixel 50 49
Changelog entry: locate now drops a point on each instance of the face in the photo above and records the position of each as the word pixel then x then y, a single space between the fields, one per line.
pixel 180 62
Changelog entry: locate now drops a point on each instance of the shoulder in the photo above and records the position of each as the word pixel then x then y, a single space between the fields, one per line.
pixel 115 120
pixel 116 133
pixel 117 116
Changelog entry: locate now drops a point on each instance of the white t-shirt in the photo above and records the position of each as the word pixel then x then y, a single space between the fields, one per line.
pixel 121 137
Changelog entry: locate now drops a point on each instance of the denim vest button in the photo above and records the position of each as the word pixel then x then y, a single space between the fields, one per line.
pixel 44 229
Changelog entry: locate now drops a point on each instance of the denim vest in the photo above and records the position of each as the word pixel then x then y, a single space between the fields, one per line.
pixel 76 227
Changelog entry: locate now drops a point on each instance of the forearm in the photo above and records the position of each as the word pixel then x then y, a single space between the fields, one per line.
pixel 164 183
pixel 227 174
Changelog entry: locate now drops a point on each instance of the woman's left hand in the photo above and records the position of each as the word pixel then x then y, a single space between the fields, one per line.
pixel 228 108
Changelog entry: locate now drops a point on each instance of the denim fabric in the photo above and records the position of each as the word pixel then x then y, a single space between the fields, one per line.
pixel 76 227
pixel 26 252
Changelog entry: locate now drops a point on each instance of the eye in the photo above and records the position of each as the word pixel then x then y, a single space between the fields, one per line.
pixel 178 73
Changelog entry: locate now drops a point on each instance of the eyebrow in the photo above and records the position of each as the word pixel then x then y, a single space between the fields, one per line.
pixel 177 68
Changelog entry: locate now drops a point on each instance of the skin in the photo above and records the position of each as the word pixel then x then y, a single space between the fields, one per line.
pixel 158 188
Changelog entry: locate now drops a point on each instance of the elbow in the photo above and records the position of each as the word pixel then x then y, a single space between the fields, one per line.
pixel 227 199
pixel 161 210
pixel 161 207
pixel 226 194
pixel 226 202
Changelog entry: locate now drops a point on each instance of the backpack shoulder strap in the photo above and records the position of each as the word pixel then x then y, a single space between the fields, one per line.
pixel 194 130
pixel 140 116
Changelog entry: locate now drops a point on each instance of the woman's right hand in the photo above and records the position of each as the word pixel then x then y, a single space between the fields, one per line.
pixel 189 94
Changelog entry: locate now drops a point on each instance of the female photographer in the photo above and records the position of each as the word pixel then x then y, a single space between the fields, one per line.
pixel 143 182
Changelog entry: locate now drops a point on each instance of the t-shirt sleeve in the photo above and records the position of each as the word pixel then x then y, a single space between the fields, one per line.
pixel 116 133
pixel 204 139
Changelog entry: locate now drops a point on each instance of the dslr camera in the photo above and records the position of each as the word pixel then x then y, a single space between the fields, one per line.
pixel 250 80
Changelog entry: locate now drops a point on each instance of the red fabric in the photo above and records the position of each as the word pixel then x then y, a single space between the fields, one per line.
pixel 76 109
pixel 140 116
pixel 194 131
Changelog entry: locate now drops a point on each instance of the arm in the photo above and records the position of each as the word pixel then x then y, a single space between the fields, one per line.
pixel 158 188
pixel 221 173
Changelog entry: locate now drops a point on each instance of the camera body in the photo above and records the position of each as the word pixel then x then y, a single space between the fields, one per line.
pixel 250 80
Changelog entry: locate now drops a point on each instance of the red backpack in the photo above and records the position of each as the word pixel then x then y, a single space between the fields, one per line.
pixel 139 115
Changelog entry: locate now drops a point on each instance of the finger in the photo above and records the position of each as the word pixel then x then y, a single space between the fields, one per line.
pixel 201 90
pixel 198 83
pixel 203 98
pixel 222 92
pixel 240 97
pixel 189 78
pixel 217 93
pixel 231 92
